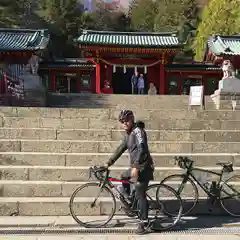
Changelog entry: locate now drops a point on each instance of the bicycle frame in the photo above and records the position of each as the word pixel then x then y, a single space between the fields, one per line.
pixel 108 181
pixel 210 194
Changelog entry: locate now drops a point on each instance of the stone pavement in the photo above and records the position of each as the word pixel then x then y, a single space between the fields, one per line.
pixel 65 222
pixel 119 237
pixel 63 228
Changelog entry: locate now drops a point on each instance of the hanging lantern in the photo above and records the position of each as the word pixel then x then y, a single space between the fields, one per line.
pixel 124 69
pixel 114 68
pixel 145 69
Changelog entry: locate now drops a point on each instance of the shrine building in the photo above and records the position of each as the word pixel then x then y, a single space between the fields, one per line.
pixel 114 57
pixel 17 46
pixel 220 48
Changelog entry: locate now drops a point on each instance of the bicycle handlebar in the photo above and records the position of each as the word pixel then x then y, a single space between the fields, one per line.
pixel 98 172
pixel 183 162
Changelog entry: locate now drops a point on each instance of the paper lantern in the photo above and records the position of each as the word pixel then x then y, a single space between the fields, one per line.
pixel 124 69
pixel 145 69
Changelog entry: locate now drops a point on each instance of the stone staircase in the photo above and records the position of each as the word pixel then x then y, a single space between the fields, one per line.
pixel 123 101
pixel 45 153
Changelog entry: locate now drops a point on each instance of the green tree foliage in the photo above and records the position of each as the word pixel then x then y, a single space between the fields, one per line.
pixel 219 17
pixel 142 14
pixel 63 19
pixel 64 16
pixel 174 14
pixel 106 17
pixel 12 12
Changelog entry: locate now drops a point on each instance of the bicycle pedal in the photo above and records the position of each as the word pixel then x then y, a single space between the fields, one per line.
pixel 210 210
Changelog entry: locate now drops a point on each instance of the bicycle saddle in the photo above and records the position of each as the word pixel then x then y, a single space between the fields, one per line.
pixel 224 164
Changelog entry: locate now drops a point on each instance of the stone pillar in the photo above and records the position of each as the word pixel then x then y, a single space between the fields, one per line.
pixel 34 91
pixel 227 94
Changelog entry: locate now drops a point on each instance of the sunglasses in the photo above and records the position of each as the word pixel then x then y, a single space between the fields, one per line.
pixel 124 121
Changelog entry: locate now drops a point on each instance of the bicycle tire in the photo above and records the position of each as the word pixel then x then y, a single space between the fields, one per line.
pixel 179 214
pixel 93 184
pixel 186 210
pixel 226 209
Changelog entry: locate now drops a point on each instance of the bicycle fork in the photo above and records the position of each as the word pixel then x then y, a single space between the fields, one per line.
pixel 93 204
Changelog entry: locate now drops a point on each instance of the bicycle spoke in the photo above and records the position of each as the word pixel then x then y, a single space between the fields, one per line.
pixel 161 205
pixel 230 196
pixel 89 210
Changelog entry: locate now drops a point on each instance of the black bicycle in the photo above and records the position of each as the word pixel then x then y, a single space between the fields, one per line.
pixel 218 190
pixel 105 191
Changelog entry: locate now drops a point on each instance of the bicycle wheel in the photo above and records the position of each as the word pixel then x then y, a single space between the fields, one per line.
pixel 187 192
pixel 230 196
pixel 158 208
pixel 91 195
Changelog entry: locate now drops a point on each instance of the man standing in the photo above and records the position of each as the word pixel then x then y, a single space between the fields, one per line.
pixel 141 163
pixel 134 82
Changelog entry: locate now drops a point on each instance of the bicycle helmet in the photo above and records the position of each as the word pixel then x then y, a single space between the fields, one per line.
pixel 125 115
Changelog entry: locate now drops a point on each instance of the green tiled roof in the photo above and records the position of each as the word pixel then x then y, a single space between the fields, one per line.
pixel 23 39
pixel 67 63
pixel 192 67
pixel 224 45
pixel 130 39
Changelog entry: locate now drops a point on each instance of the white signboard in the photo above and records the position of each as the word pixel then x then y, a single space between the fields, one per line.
pixel 196 96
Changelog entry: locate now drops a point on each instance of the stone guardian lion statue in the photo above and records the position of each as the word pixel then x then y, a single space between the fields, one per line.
pixel 228 69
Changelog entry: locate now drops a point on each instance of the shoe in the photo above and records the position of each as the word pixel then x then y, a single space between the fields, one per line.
pixel 140 229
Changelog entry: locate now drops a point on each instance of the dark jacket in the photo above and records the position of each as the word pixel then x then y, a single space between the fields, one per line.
pixel 137 145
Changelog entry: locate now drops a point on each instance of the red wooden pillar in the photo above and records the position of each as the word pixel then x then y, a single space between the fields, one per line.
pixel 98 84
pixel 162 78
pixel 52 82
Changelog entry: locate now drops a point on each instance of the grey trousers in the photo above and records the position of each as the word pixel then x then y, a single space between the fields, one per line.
pixel 140 188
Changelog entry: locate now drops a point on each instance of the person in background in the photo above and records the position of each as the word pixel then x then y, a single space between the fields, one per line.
pixel 141 84
pixel 107 88
pixel 152 89
pixel 134 82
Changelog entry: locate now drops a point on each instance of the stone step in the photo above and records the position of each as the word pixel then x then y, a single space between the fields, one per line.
pixel 21 188
pixel 49 206
pixel 74 146
pixel 59 173
pixel 117 100
pixel 94 123
pixel 117 135
pixel 91 159
pixel 131 101
pixel 105 113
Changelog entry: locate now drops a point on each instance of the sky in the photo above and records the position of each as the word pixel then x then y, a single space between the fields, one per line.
pixel 124 3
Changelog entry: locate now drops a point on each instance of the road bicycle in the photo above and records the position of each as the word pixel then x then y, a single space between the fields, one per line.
pixel 158 210
pixel 218 191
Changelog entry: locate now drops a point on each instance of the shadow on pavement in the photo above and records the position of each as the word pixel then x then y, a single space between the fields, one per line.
pixel 186 223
